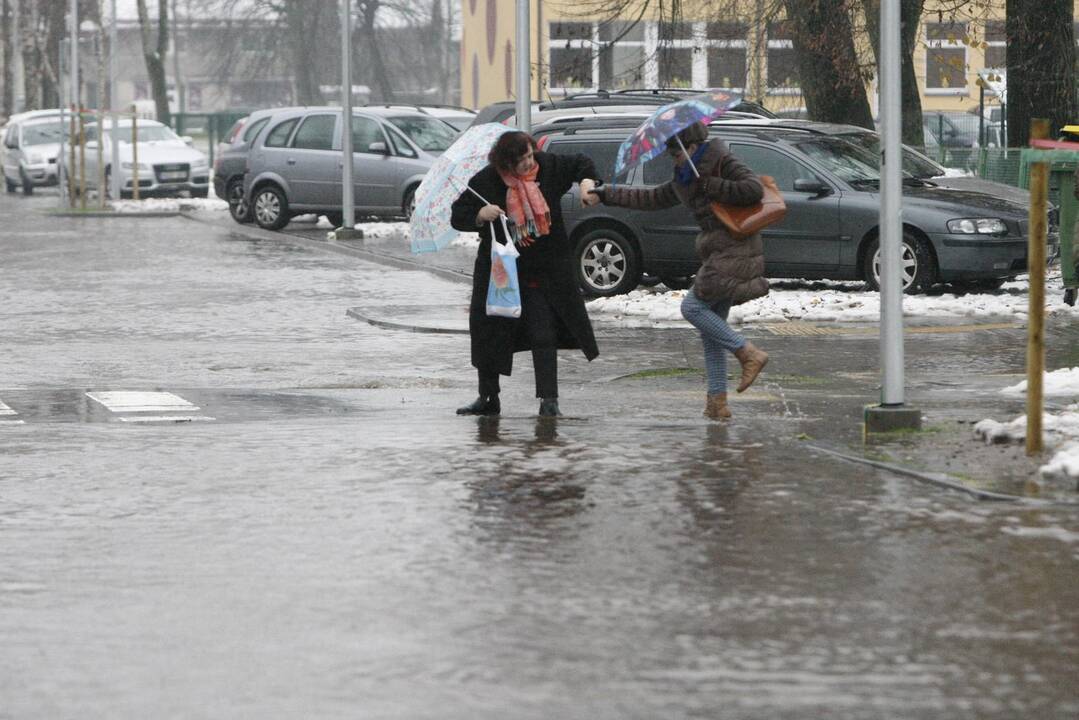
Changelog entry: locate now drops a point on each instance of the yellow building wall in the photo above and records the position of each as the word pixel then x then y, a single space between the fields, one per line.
pixel 488 49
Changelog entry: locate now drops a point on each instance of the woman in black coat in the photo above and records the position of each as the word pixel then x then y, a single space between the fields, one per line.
pixel 527 186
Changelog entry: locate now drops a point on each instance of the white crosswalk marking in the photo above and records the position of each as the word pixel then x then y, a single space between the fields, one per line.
pixel 7 415
pixel 125 401
pixel 131 406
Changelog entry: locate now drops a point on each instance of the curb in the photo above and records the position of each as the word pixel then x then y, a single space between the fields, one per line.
pixel 113 214
pixel 358 313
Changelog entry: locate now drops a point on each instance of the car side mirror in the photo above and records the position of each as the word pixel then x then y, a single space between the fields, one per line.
pixel 378 147
pixel 814 186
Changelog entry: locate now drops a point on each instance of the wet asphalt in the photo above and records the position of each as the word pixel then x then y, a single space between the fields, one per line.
pixel 321 536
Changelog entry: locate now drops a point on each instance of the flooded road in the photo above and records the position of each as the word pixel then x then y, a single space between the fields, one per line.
pixel 334 542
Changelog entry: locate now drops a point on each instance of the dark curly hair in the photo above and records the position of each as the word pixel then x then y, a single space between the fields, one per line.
pixel 509 149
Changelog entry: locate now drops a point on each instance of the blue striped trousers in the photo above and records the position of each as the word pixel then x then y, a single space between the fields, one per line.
pixel 717 336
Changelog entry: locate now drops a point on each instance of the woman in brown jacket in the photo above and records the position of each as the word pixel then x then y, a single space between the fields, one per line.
pixel 731 271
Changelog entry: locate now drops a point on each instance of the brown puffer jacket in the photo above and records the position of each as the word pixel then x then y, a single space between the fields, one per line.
pixel 731 269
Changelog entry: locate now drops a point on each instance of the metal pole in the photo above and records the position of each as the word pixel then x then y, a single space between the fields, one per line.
pixel 524 80
pixel 891 223
pixel 1039 186
pixel 114 131
pixel 891 414
pixel 82 158
pixel 73 137
pixel 348 211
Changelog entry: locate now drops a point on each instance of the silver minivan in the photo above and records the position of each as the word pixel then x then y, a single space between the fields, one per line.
pixel 31 144
pixel 294 165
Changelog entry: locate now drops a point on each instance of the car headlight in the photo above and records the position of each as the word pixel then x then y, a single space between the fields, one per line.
pixel 143 167
pixel 201 164
pixel 978 226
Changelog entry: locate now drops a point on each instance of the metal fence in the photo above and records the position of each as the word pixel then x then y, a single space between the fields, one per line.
pixel 206 129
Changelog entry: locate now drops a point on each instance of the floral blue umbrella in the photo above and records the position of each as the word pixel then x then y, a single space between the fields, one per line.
pixel 429 226
pixel 649 140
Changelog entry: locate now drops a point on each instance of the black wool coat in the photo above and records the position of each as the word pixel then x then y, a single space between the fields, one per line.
pixel 546 263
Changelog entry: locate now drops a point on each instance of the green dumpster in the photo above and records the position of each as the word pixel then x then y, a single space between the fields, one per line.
pixel 1063 189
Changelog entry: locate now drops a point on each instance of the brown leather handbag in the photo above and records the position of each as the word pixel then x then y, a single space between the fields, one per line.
pixel 743 221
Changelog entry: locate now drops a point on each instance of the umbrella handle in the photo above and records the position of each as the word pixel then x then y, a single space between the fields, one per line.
pixel 688 158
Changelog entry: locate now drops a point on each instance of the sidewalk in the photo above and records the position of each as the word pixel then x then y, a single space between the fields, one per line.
pixel 820 378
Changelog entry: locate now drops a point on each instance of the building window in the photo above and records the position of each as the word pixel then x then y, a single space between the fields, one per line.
pixel 622 56
pixel 945 59
pixel 570 59
pixel 996 45
pixel 725 48
pixel 782 62
pixel 674 54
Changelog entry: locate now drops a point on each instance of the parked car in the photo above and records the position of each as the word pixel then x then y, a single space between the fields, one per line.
pixel 294 164
pixel 167 164
pixel 230 162
pixel 831 187
pixel 31 144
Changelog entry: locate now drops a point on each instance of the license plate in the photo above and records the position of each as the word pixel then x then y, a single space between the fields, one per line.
pixel 174 175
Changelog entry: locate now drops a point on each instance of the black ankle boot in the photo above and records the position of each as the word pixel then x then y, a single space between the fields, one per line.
pixel 483 405
pixel 549 407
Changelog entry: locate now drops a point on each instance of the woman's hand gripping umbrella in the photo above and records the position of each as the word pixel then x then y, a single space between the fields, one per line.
pixel 429 226
pixel 649 139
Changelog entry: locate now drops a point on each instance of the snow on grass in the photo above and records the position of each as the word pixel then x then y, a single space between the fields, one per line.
pixel 1060 430
pixel 168 205
pixel 833 301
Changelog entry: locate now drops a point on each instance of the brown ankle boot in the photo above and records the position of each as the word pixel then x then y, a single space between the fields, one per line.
pixel 716 407
pixel 753 360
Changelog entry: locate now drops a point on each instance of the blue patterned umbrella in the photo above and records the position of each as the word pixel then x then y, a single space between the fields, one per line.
pixel 429 226
pixel 649 140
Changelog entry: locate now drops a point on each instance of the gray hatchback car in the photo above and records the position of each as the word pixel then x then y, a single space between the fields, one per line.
pixel 831 188
pixel 294 164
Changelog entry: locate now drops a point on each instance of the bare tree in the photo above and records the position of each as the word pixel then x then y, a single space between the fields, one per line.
pixel 832 83
pixel 8 39
pixel 154 52
pixel 910 16
pixel 1041 64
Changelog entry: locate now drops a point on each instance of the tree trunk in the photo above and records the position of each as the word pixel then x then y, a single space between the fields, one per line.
pixel 910 13
pixel 155 55
pixel 302 23
pixel 832 83
pixel 8 101
pixel 1041 65
pixel 368 11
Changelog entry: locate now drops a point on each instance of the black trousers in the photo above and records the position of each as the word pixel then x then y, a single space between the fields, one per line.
pixel 541 324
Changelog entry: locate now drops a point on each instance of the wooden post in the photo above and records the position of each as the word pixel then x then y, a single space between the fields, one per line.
pixel 71 187
pixel 1039 186
pixel 82 159
pixel 134 153
pixel 100 158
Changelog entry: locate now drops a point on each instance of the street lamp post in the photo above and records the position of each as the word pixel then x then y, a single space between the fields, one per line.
pixel 348 210
pixel 114 162
pixel 891 414
pixel 524 80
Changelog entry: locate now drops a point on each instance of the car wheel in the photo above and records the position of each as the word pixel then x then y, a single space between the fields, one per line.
pixel 409 205
pixel 27 186
pixel 270 207
pixel 607 263
pixel 917 266
pixel 238 207
pixel 677 282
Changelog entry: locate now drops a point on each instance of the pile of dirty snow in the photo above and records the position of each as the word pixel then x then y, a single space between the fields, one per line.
pixel 168 205
pixel 1060 430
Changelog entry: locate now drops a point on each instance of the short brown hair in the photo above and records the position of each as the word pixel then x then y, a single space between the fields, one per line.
pixel 509 149
pixel 696 133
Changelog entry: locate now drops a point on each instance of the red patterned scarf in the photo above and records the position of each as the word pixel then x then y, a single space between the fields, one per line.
pixel 525 204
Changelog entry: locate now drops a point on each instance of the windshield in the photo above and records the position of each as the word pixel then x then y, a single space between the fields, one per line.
pixel 42 133
pixel 912 163
pixel 845 160
pixel 148 133
pixel 429 133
